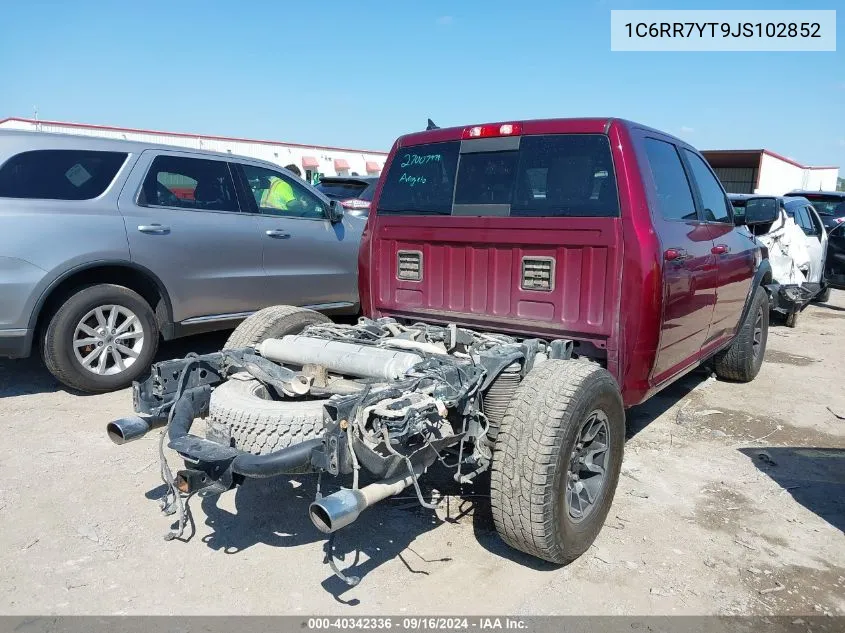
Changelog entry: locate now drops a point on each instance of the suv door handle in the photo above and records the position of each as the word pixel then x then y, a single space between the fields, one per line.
pixel 720 249
pixel 155 229
pixel 277 233
pixel 675 255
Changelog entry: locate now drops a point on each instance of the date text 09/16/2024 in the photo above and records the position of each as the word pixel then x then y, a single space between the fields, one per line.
pixel 417 623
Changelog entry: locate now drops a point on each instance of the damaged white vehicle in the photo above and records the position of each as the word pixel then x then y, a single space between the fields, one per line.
pixel 796 239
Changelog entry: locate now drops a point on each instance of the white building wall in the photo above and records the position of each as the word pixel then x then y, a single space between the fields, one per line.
pixel 778 177
pixel 822 179
pixel 280 153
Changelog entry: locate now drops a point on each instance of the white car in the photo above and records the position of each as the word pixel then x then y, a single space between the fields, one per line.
pixel 797 241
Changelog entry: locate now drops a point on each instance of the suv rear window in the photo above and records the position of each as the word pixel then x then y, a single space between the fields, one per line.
pixel 59 174
pixel 826 205
pixel 341 190
pixel 560 175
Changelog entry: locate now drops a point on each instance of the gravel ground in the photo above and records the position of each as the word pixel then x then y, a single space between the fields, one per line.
pixel 732 501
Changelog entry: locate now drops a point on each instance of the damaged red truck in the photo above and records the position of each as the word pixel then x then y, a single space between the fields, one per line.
pixel 523 283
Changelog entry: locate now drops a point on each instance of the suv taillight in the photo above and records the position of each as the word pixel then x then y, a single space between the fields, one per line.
pixel 487 131
pixel 355 204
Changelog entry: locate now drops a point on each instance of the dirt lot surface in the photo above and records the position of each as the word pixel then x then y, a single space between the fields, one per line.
pixel 732 501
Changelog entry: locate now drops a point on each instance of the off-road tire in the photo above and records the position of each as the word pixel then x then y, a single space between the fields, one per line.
pixel 57 341
pixel 532 453
pixel 258 425
pixel 273 322
pixel 823 296
pixel 739 362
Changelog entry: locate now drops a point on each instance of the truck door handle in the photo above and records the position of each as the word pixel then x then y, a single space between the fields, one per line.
pixel 154 229
pixel 277 233
pixel 720 249
pixel 675 255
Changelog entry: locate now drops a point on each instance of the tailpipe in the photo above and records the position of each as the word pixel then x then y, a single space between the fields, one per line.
pixel 129 428
pixel 343 507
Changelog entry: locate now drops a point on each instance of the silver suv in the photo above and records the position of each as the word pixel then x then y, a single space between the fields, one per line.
pixel 107 245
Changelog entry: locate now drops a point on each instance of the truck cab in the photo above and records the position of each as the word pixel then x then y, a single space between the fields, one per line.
pixel 609 233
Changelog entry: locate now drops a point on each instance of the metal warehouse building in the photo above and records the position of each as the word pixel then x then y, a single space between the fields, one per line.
pixel 313 160
pixel 763 171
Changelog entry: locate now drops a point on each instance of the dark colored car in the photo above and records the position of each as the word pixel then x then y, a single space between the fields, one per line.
pixel 830 205
pixel 355 193
pixel 835 265
pixel 523 283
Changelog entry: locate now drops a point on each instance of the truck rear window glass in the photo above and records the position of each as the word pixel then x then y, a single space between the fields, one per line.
pixel 59 174
pixel 561 175
pixel 421 180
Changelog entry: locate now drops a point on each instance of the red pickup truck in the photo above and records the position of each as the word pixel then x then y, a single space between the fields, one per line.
pixel 523 283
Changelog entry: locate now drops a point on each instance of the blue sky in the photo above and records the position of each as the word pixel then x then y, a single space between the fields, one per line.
pixel 361 73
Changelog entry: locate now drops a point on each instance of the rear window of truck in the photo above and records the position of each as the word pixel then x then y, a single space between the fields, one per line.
pixel 560 175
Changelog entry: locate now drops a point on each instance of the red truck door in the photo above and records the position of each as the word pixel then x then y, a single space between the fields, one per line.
pixel 689 271
pixel 733 252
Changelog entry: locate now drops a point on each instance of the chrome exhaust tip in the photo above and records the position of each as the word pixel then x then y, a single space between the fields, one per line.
pixel 126 429
pixel 337 510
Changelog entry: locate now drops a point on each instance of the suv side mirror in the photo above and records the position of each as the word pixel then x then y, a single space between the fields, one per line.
pixel 335 211
pixel 761 211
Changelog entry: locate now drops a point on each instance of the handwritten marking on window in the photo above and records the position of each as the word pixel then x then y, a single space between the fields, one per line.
pixel 412 180
pixel 419 159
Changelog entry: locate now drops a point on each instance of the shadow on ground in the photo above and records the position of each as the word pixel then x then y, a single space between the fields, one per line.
pixel 815 477
pixel 29 376
pixel 640 416
pixel 274 512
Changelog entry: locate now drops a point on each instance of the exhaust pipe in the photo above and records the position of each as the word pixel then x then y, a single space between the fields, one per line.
pixel 129 428
pixel 341 508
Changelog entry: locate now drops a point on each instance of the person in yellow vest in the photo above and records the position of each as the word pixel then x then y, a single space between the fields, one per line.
pixel 278 195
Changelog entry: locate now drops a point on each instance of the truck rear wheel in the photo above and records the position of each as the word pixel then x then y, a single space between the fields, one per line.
pixel 557 459
pixel 273 322
pixel 742 360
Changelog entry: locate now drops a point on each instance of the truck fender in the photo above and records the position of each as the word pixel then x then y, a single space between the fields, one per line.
pixel 762 276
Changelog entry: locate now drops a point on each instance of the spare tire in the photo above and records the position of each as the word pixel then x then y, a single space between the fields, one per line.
pixel 273 322
pixel 243 410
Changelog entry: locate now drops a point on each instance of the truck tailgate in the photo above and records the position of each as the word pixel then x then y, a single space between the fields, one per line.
pixel 481 271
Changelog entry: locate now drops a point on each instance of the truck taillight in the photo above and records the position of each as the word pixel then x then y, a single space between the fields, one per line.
pixel 355 204
pixel 488 131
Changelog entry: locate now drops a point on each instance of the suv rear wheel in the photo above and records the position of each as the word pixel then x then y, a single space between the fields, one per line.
pixel 557 459
pixel 102 338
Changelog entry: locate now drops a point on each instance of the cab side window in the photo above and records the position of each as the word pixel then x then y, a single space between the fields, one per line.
pixel 713 199
pixel 277 194
pixel 799 214
pixel 813 225
pixel 674 198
